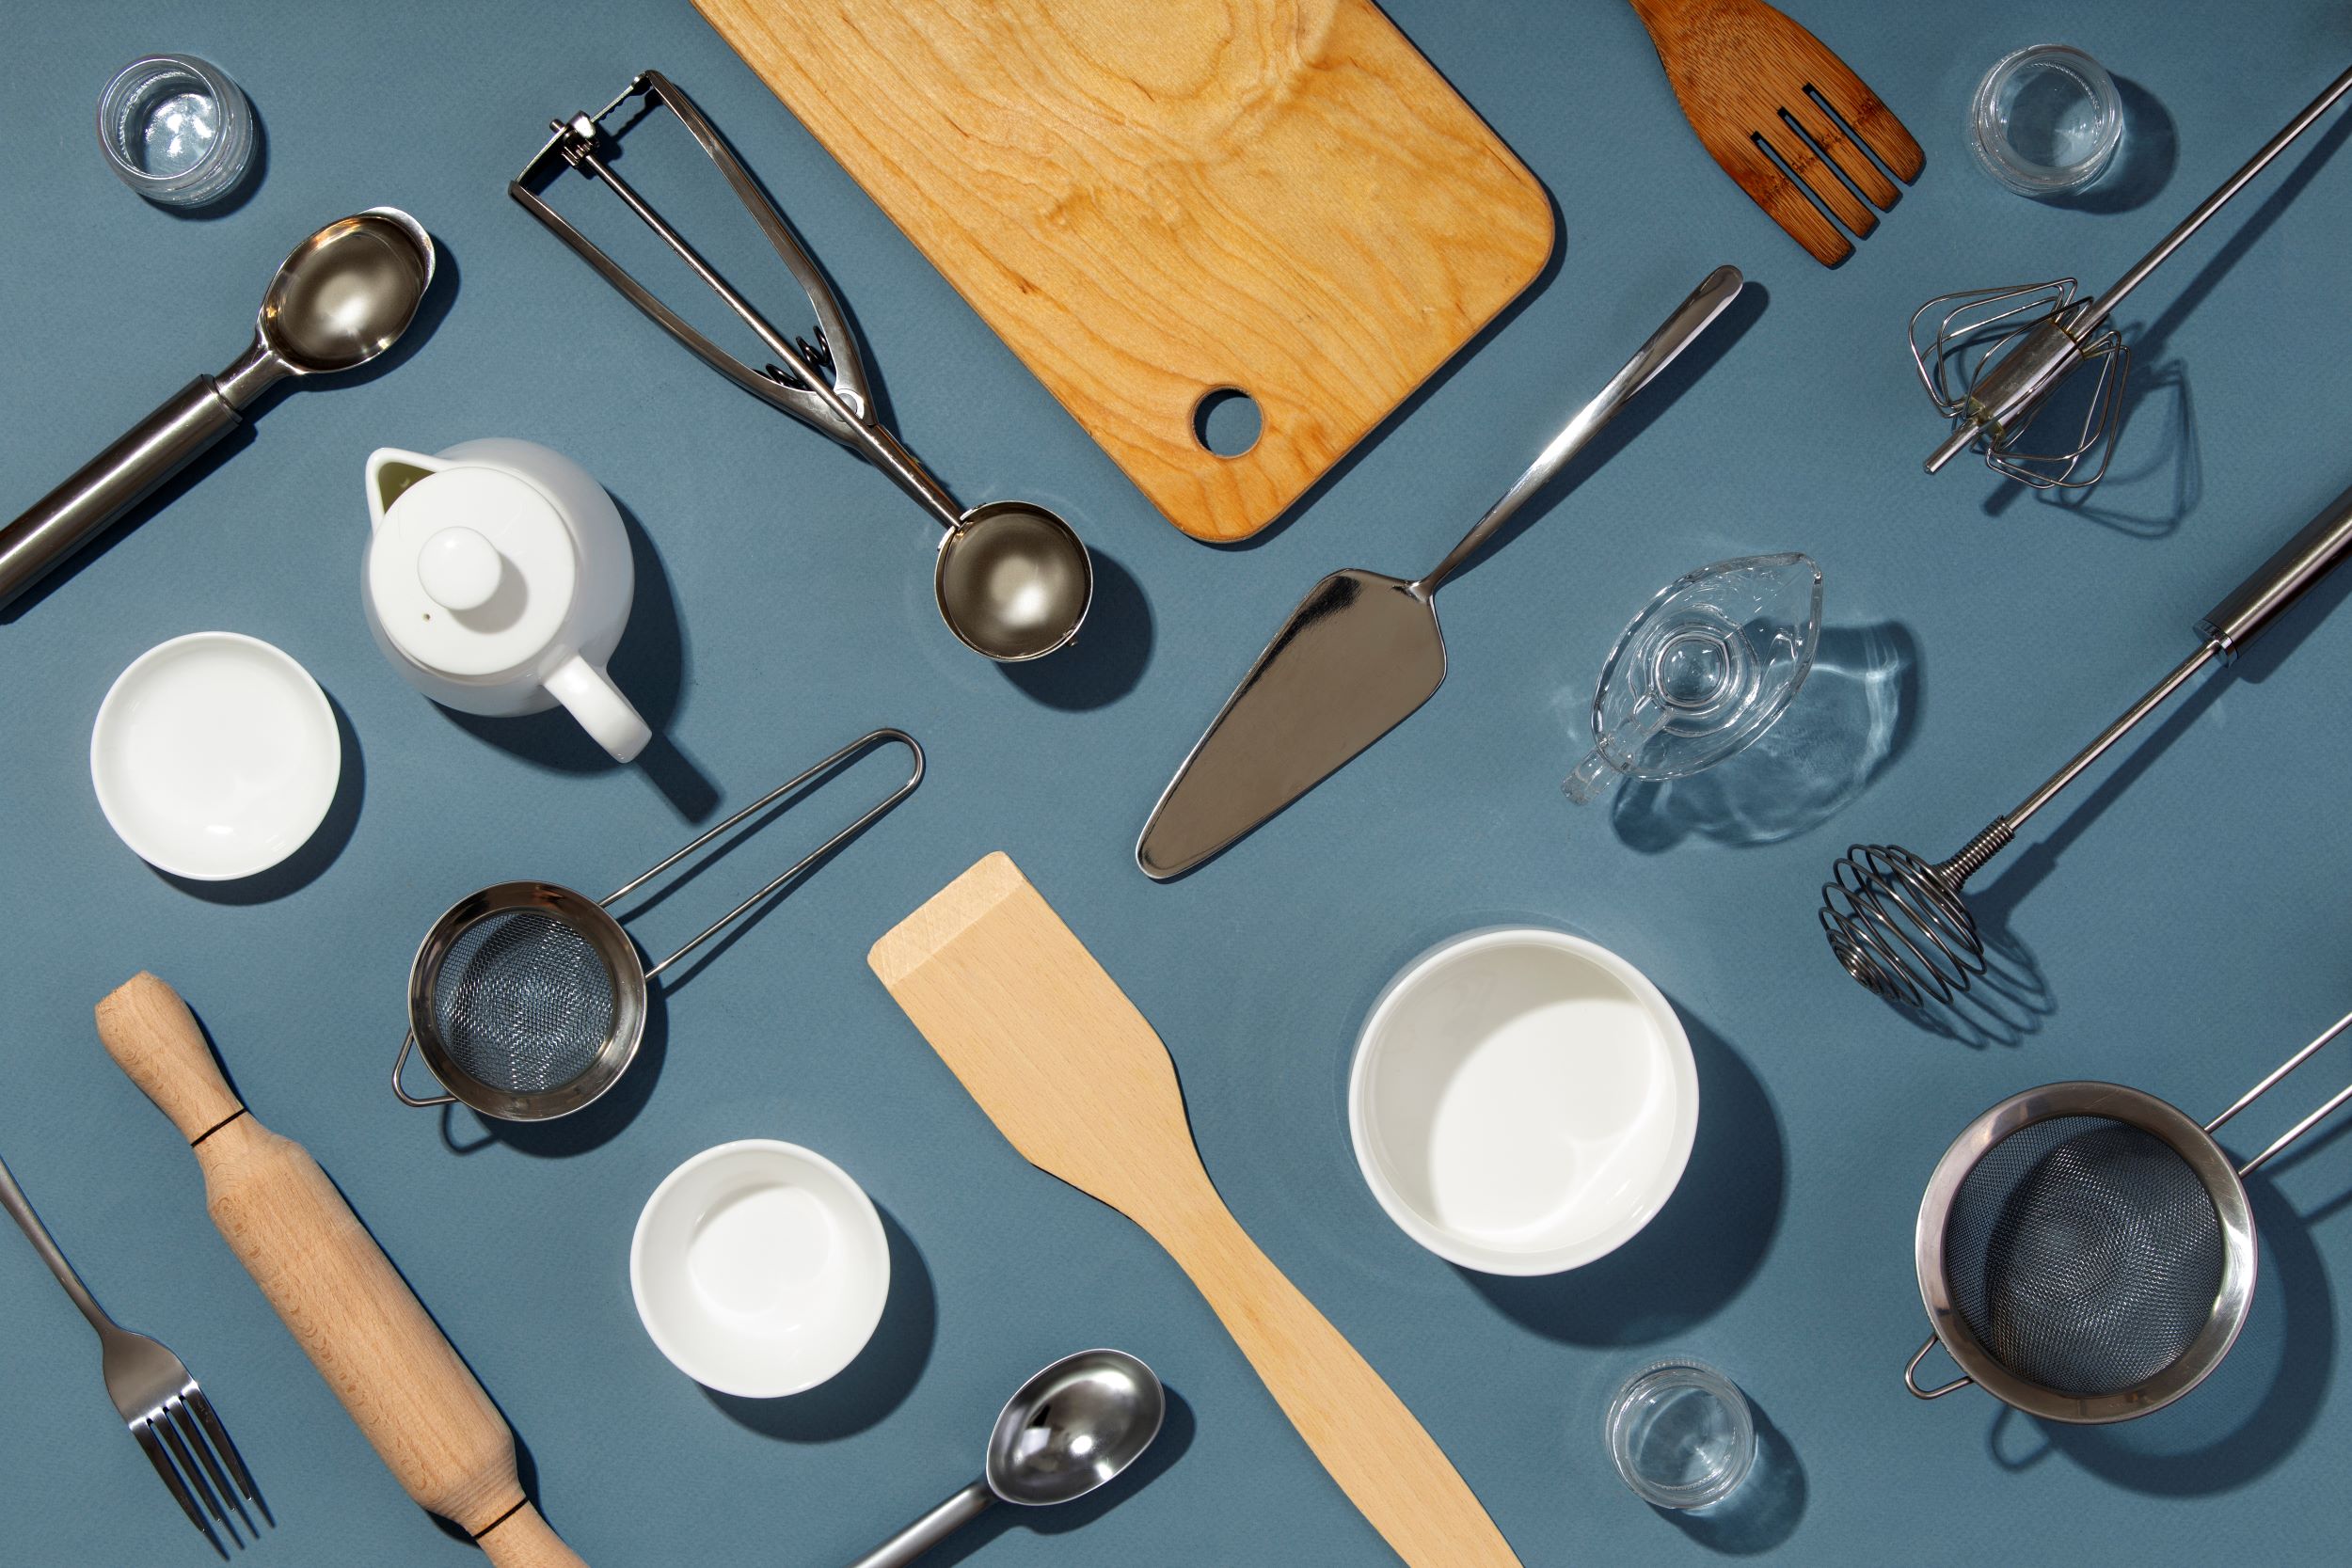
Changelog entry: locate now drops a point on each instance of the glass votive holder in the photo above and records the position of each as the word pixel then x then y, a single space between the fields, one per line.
pixel 1681 1435
pixel 2045 120
pixel 176 130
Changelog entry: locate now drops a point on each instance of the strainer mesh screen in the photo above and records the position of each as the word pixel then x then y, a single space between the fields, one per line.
pixel 522 1002
pixel 2084 1253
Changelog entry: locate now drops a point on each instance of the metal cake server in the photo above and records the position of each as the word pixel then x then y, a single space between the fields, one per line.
pixel 1362 650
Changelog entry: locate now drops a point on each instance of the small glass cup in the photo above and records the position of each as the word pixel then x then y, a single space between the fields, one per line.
pixel 176 130
pixel 1681 1435
pixel 2045 120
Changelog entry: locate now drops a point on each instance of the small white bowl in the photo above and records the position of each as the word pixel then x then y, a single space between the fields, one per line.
pixel 214 756
pixel 759 1268
pixel 1523 1101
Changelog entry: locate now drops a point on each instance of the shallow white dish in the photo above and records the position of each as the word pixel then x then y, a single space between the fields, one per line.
pixel 214 756
pixel 759 1268
pixel 1523 1101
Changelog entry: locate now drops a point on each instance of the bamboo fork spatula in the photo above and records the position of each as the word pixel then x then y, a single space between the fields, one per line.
pixel 1068 1070
pixel 1751 80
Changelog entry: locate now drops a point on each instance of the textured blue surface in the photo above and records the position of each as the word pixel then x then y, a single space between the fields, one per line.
pixel 2187 932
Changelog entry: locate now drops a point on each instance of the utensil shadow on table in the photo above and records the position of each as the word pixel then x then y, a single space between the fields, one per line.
pixel 1421 394
pixel 1706 1243
pixel 1857 713
pixel 650 665
pixel 1765 1510
pixel 2265 1396
pixel 593 1125
pixel 2143 160
pixel 1175 1437
pixel 881 1376
pixel 306 864
pixel 1109 656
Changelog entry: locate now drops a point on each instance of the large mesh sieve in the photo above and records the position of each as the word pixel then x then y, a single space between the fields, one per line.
pixel 522 1002
pixel 2085 1255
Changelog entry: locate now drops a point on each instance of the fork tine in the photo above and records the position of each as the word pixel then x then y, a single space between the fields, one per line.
pixel 1796 149
pixel 185 1419
pixel 1784 201
pixel 162 1461
pixel 1822 124
pixel 1874 124
pixel 197 1403
pixel 161 1421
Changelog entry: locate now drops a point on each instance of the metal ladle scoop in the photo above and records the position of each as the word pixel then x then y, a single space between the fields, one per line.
pixel 1012 580
pixel 1070 1429
pixel 344 296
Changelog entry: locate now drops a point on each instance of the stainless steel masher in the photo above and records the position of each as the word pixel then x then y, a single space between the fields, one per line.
pixel 2086 1251
pixel 1898 924
pixel 1012 579
pixel 527 1000
pixel 1997 354
pixel 153 1393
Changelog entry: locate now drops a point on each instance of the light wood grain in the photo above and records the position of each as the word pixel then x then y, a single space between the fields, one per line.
pixel 1062 1062
pixel 339 1295
pixel 1737 66
pixel 1150 203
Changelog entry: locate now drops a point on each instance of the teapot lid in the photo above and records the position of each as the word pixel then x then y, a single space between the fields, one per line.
pixel 472 572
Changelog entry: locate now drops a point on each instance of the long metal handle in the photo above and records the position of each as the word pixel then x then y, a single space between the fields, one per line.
pixel 2211 204
pixel 19 1209
pixel 1689 320
pixel 930 1529
pixel 856 748
pixel 112 483
pixel 2264 1086
pixel 2280 580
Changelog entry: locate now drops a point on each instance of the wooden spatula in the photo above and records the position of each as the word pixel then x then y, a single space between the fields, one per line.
pixel 1751 79
pixel 1067 1068
pixel 340 1298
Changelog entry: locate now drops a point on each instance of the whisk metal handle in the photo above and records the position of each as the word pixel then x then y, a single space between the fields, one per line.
pixel 2301 562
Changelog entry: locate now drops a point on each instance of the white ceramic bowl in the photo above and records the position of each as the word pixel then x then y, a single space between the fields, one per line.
pixel 759 1268
pixel 214 756
pixel 1523 1101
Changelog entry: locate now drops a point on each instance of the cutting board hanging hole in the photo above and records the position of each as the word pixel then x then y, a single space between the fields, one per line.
pixel 1226 421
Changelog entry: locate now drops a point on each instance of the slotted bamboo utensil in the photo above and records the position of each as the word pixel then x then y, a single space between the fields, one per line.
pixel 1750 79
pixel 339 1296
pixel 1073 1074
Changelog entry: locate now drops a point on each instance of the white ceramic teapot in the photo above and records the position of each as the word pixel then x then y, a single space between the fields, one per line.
pixel 498 580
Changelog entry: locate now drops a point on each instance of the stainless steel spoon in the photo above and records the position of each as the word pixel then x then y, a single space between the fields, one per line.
pixel 1070 1428
pixel 345 296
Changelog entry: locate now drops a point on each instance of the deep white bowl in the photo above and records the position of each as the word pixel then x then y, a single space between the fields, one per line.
pixel 214 756
pixel 1523 1101
pixel 759 1268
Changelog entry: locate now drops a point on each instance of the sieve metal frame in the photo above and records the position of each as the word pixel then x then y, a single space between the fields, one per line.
pixel 626 966
pixel 2160 1120
pixel 623 965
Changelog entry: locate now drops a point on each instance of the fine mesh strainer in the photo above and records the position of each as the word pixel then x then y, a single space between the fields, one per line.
pixel 2085 1252
pixel 527 1000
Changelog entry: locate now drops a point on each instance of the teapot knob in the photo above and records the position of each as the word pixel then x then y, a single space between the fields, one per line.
pixel 459 569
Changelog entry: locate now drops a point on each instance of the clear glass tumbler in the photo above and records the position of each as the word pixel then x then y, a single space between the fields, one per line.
pixel 2045 120
pixel 1681 1435
pixel 176 130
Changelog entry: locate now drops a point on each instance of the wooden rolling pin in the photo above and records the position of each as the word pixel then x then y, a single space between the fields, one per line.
pixel 348 1307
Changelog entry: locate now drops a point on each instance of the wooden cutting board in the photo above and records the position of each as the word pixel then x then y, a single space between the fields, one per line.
pixel 1153 200
pixel 1072 1074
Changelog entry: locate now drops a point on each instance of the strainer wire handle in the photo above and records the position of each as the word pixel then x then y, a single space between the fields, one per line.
pixel 854 748
pixel 2264 1087
pixel 407 1043
pixel 1911 1374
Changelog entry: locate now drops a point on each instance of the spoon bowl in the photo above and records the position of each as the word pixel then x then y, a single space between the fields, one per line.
pixel 346 293
pixel 1013 581
pixel 1073 1426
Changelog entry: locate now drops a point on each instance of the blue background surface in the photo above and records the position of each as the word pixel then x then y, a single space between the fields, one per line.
pixel 2181 935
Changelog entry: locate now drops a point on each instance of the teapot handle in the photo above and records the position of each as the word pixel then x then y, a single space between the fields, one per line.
pixel 603 711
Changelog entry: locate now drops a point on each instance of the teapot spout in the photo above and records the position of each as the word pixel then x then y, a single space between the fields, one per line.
pixel 391 471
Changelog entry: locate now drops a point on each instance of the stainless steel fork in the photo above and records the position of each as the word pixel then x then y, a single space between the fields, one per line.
pixel 157 1400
